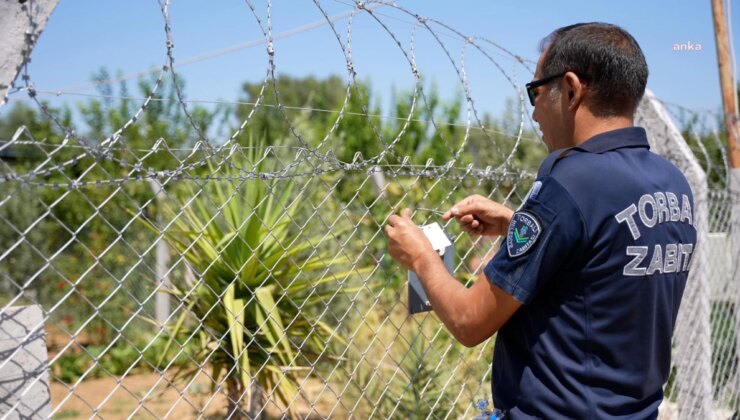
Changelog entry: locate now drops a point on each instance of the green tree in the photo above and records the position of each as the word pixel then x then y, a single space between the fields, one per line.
pixel 260 272
pixel 75 244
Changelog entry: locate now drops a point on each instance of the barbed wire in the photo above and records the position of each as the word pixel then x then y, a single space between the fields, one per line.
pixel 352 86
pixel 308 161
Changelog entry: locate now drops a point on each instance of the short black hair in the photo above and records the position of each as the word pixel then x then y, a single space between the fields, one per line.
pixel 606 57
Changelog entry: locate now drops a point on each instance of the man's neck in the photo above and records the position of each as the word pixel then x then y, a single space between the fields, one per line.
pixel 593 126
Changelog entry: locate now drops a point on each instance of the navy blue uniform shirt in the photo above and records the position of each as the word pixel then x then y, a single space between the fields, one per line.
pixel 599 256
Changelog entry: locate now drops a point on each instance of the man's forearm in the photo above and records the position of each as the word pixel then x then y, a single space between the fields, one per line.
pixel 447 296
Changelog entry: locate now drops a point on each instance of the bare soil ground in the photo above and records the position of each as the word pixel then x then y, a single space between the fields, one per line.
pixel 143 396
pixel 148 396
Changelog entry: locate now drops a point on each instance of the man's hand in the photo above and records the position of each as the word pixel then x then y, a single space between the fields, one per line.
pixel 478 215
pixel 407 243
pixel 471 315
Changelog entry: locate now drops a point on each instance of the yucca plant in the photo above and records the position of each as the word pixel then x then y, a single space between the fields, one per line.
pixel 256 276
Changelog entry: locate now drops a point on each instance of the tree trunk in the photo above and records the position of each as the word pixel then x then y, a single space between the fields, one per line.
pixel 234 397
pixel 256 403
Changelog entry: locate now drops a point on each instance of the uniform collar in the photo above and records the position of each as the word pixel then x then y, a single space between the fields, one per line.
pixel 615 139
pixel 600 143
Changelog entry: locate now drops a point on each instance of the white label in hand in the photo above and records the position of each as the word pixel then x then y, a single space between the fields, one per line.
pixel 437 237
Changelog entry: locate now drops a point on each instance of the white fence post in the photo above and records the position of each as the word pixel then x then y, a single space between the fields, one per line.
pixel 162 310
pixel 24 377
pixel 21 23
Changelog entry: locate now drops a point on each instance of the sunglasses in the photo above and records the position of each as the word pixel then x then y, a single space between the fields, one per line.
pixel 531 86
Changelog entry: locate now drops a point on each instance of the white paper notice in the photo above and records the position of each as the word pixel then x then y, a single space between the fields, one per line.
pixel 437 237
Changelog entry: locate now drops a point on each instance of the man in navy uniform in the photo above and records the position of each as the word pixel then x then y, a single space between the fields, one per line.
pixel 585 289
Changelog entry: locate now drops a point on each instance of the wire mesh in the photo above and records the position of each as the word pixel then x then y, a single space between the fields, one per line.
pixel 184 272
pixel 228 275
pixel 706 139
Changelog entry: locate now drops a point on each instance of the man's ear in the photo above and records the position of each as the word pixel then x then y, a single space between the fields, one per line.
pixel 576 90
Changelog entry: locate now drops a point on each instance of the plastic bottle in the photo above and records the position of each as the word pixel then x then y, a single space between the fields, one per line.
pixel 497 414
pixel 485 413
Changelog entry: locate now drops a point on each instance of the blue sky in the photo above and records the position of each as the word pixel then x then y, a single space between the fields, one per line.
pixel 128 36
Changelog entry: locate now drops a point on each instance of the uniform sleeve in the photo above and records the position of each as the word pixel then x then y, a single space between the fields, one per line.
pixel 545 237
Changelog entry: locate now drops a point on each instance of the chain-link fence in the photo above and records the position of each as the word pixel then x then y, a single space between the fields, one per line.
pixel 706 141
pixel 183 272
pixel 281 291
pixel 246 274
pixel 707 138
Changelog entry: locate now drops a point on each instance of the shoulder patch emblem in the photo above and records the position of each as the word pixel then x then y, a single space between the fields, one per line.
pixel 524 230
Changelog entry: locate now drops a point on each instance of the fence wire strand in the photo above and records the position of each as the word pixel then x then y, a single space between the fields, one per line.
pixel 240 277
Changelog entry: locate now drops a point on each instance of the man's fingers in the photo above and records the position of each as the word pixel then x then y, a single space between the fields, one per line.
pixel 454 211
pixel 397 221
pixel 470 204
pixel 472 231
pixel 465 208
pixel 473 227
pixel 466 224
